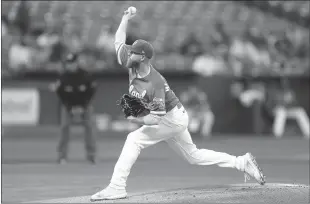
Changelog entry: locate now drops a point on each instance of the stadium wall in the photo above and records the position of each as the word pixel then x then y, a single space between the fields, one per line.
pixel 31 103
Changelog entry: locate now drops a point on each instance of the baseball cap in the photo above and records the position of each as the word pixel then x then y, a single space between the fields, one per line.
pixel 143 47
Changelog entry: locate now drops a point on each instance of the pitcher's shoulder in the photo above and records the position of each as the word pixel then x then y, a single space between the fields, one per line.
pixel 156 77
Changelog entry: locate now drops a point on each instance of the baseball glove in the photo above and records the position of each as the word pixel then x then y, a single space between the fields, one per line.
pixel 132 106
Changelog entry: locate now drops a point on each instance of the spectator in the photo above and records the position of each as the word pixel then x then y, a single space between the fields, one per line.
pixel 284 46
pixel 300 41
pixel 191 46
pixel 20 16
pixel 88 59
pixel 210 63
pixel 50 49
pixel 6 40
pixel 105 44
pixel 236 55
pixel 169 44
pixel 246 56
pixel 20 55
pixel 220 36
pixel 252 45
pixel 49 41
pixel 72 38
pixel 4 25
pixel 106 39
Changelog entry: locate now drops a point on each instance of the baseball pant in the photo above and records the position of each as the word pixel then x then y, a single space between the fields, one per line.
pixel 297 113
pixel 202 120
pixel 85 119
pixel 173 130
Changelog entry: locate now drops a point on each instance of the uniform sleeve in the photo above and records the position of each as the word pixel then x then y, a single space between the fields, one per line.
pixel 122 51
pixel 159 100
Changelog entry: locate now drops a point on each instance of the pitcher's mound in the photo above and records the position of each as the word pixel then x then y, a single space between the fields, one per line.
pixel 239 193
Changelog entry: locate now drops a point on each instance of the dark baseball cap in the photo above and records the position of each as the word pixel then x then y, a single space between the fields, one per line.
pixel 143 47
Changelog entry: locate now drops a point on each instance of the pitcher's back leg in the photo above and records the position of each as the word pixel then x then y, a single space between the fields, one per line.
pixel 184 146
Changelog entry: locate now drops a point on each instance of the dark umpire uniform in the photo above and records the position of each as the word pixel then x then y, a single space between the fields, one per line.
pixel 75 89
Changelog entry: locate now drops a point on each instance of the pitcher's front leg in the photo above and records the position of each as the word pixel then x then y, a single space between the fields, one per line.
pixel 135 142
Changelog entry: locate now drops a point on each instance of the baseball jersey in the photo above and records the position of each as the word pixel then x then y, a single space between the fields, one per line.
pixel 152 88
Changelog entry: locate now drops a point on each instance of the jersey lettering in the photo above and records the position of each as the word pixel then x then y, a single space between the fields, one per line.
pixel 136 93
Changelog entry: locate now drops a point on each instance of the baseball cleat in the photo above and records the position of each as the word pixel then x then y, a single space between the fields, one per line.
pixel 251 169
pixel 109 193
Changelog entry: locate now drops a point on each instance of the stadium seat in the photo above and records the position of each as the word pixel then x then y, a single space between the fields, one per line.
pixel 161 20
pixel 92 15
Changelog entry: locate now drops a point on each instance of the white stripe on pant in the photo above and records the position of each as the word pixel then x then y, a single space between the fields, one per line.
pixel 173 130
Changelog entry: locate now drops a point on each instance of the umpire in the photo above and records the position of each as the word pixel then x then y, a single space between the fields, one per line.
pixel 75 89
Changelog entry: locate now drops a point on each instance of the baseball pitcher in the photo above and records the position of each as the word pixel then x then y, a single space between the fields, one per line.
pixel 163 119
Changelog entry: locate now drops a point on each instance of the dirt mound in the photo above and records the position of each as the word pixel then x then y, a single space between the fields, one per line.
pixel 239 193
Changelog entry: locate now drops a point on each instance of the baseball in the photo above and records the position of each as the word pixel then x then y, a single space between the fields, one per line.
pixel 132 10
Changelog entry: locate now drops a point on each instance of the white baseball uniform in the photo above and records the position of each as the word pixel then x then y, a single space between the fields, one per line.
pixel 171 129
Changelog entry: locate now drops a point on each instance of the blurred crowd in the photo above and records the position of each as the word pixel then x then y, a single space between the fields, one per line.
pixel 212 49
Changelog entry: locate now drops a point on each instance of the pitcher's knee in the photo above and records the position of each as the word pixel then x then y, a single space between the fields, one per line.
pixel 133 139
pixel 130 137
pixel 192 158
